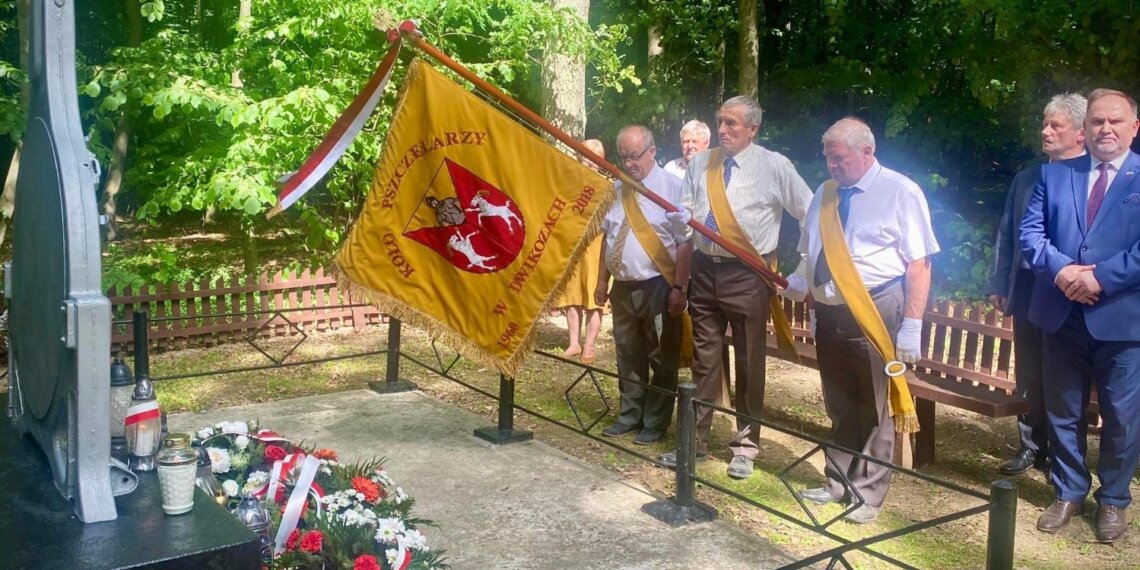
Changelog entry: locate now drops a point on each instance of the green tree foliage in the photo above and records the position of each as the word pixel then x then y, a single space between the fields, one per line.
pixel 204 146
pixel 11 77
pixel 952 88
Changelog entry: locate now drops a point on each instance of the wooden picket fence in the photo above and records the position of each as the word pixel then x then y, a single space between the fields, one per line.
pixel 233 309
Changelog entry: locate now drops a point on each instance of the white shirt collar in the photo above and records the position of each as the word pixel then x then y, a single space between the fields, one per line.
pixel 865 182
pixel 1116 163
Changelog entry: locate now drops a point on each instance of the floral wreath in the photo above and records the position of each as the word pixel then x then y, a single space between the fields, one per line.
pixel 360 519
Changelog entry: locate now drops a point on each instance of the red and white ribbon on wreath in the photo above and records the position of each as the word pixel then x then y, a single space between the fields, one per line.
pixel 336 141
pixel 142 411
pixel 403 557
pixel 292 513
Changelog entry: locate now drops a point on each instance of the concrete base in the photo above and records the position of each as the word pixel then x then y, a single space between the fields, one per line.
pixel 38 528
pixel 496 435
pixel 674 515
pixel 392 387
pixel 506 507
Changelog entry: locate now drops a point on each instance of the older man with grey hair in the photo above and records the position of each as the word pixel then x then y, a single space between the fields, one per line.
pixel 886 226
pixel 739 190
pixel 1011 281
pixel 695 137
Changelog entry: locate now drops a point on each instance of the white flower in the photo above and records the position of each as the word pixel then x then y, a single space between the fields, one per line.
pixel 234 427
pixel 230 487
pixel 241 442
pixel 205 433
pixel 401 496
pixel 326 470
pixel 220 459
pixel 414 539
pixel 388 530
pixel 391 555
pixel 255 482
pixel 382 477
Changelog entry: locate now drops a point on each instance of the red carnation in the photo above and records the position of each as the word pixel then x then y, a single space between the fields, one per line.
pixel 267 433
pixel 366 562
pixel 370 489
pixel 326 454
pixel 274 453
pixel 312 540
pixel 291 542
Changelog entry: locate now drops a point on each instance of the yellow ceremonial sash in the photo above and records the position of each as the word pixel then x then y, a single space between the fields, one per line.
pixel 850 285
pixel 730 229
pixel 651 243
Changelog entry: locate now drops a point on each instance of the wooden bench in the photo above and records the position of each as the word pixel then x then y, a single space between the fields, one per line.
pixel 967 364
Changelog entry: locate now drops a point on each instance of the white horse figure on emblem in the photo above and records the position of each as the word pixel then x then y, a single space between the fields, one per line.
pixel 462 244
pixel 489 210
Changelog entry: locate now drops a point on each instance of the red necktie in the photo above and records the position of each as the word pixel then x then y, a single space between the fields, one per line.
pixel 1097 194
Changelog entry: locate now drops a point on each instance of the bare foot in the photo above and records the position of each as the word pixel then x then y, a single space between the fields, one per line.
pixel 571 351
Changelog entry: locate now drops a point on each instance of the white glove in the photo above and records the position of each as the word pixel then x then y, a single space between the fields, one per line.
pixel 811 321
pixel 797 288
pixel 908 343
pixel 679 220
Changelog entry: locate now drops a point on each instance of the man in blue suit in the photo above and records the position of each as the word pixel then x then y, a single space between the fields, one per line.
pixel 1010 286
pixel 1081 236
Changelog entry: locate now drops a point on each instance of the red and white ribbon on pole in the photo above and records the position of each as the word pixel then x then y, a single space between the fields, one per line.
pixel 338 139
pixel 142 411
pixel 292 513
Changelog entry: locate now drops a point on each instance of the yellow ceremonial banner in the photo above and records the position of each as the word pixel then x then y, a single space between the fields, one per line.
pixel 472 222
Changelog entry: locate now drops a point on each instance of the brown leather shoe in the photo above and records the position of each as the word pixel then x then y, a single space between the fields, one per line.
pixel 1111 522
pixel 1057 516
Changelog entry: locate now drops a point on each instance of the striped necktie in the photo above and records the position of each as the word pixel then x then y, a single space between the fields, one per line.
pixel 710 220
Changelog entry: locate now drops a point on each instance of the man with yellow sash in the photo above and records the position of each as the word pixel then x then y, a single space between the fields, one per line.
pixel 868 241
pixel 739 190
pixel 644 251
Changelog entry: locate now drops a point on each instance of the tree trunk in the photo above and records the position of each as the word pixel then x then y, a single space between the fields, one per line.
pixel 117 169
pixel 245 17
pixel 251 259
pixel 564 79
pixel 749 79
pixel 8 196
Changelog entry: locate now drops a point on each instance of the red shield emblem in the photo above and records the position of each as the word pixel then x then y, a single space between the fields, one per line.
pixel 467 221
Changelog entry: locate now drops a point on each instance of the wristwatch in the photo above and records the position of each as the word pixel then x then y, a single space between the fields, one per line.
pixel 681 288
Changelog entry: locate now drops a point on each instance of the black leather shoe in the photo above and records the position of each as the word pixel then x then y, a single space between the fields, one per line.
pixel 619 429
pixel 1111 523
pixel 818 495
pixel 669 460
pixel 1057 516
pixel 1020 463
pixel 648 436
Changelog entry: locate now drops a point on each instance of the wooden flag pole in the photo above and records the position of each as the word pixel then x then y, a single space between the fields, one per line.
pixel 411 32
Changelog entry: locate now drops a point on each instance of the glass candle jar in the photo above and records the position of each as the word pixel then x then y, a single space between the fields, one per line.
pixel 177 465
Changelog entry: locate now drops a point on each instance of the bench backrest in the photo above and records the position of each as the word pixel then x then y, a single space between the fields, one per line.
pixel 963 342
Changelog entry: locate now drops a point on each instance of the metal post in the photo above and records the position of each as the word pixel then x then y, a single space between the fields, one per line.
pixel 686 445
pixel 683 507
pixel 392 383
pixel 142 345
pixel 505 432
pixel 1003 524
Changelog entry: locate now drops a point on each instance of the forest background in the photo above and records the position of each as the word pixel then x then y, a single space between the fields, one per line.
pixel 195 107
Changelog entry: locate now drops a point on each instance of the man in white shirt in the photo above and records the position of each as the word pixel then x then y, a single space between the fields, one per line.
pixel 886 223
pixel 695 137
pixel 755 186
pixel 646 321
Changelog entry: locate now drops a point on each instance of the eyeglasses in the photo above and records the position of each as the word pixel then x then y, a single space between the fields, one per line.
pixel 636 157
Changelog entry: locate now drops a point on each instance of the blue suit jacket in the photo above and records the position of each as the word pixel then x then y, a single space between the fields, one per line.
pixel 1053 235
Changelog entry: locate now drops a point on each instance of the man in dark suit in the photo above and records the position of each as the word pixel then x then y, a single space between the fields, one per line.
pixel 1081 236
pixel 1011 282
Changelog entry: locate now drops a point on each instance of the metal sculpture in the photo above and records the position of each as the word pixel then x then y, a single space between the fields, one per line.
pixel 60 320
